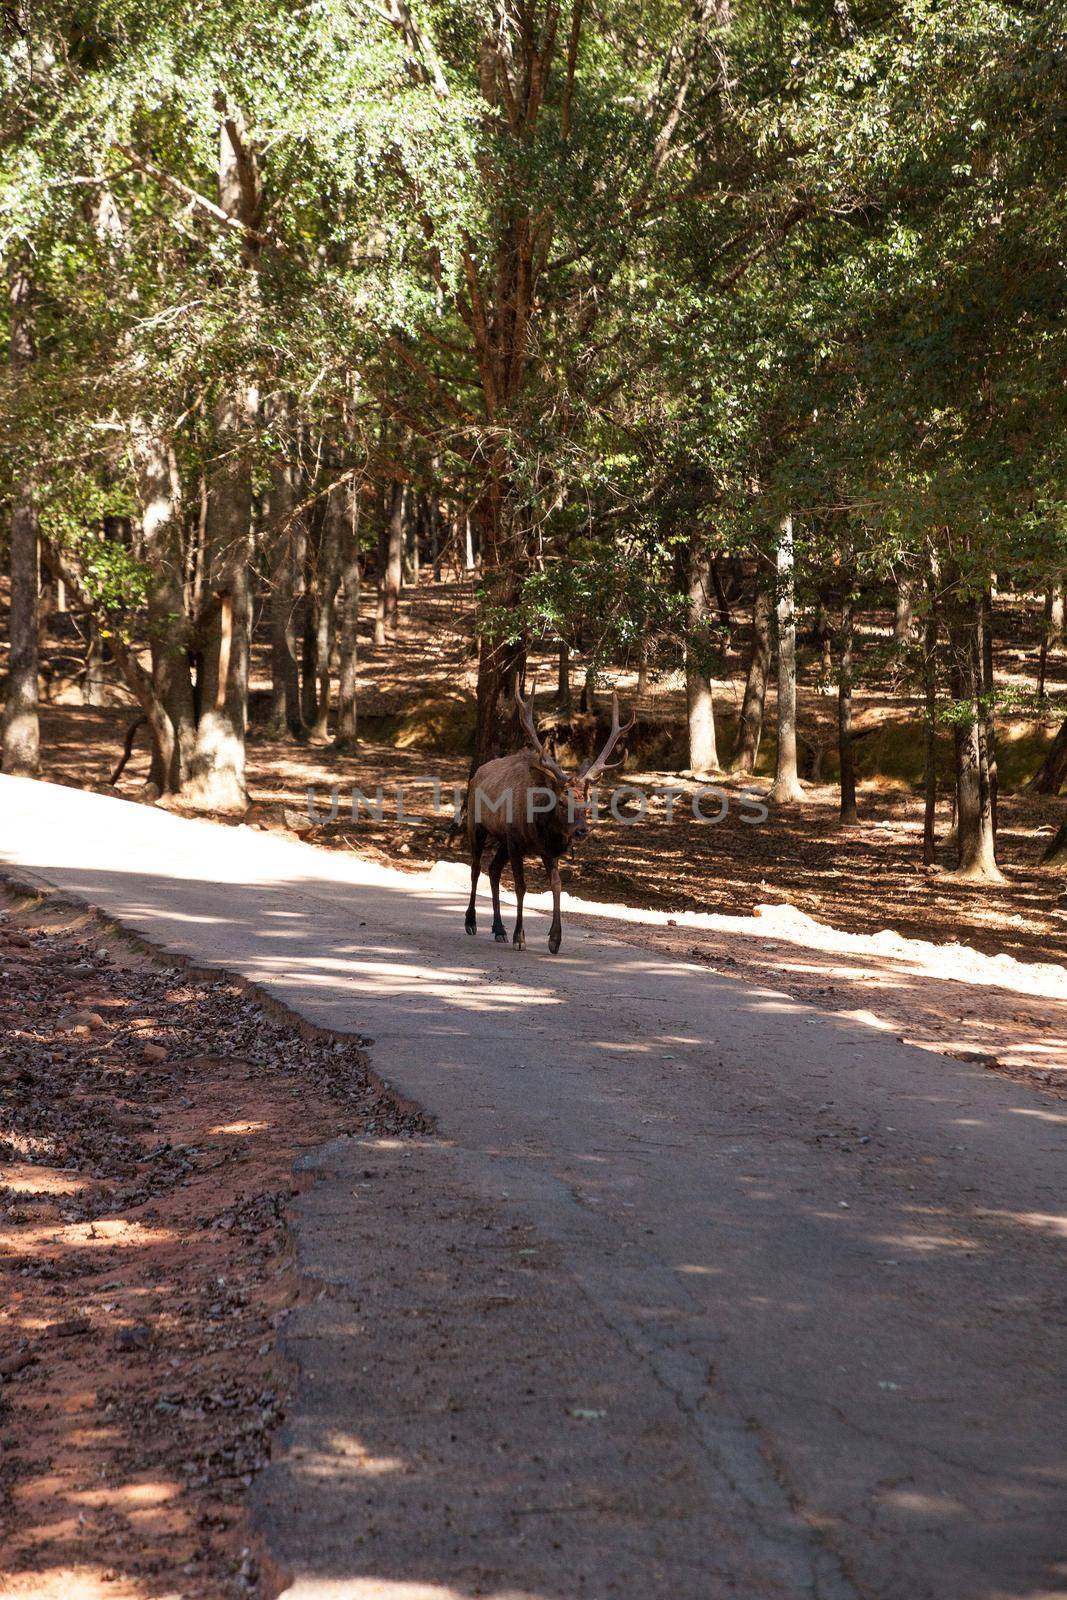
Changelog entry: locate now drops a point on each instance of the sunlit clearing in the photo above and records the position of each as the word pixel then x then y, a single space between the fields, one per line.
pixel 239 1127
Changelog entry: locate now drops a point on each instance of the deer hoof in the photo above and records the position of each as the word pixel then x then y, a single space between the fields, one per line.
pixel 554 942
pixel 519 939
pixel 470 925
pixel 501 938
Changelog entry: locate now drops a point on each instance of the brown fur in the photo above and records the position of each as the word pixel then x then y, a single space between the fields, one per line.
pixel 500 810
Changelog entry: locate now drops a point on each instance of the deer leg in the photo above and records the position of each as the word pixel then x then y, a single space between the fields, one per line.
pixel 555 932
pixel 496 867
pixel 519 874
pixel 477 847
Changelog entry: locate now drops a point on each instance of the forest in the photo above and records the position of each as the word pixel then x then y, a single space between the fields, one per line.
pixel 713 351
pixel 392 388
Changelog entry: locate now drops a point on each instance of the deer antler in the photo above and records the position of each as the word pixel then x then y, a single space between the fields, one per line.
pixel 530 729
pixel 595 768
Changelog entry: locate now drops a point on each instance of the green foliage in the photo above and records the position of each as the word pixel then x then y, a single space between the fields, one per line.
pixel 833 285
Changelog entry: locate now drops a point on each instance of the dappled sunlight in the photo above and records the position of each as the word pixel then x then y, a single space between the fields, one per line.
pixel 104 1233
pixel 737 1176
pixel 344 1452
pixel 868 1019
pixel 375 1588
pixel 936 1506
pixel 31 1179
pixel 925 1243
pixel 84 1581
pixel 1053 1223
pixel 132 1497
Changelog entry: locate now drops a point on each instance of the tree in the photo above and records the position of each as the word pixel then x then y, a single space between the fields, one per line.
pixel 976 832
pixel 700 708
pixel 750 724
pixel 20 730
pixel 786 789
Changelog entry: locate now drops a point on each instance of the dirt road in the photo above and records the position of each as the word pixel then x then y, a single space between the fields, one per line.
pixel 696 1293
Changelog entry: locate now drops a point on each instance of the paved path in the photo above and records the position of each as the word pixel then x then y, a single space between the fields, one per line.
pixel 699 1293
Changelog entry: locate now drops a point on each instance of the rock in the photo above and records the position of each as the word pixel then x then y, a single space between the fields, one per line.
pixel 154 1052
pixel 70 1327
pixel 81 1021
pixel 298 822
pixel 136 1337
pixel 12 1364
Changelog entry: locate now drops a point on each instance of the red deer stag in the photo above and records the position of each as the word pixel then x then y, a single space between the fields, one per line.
pixel 528 806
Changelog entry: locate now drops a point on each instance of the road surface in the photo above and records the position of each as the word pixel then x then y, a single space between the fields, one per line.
pixel 696 1293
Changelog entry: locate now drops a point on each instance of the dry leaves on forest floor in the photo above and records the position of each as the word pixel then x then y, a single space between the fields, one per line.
pixel 150 1122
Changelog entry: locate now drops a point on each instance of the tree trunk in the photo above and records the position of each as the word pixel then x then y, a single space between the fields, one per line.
pixel 1053 631
pixel 435 532
pixel 348 670
pixel 750 727
pixel 286 582
pixel 930 732
pixel 159 488
pixel 468 543
pixel 328 581
pixel 903 619
pixel 846 749
pixel 700 708
pixel 641 691
pixel 721 598
pixel 217 769
pixel 1057 614
pixel 21 728
pixel 587 698
pixel 309 627
pixel 786 788
pixel 1052 773
pixel 976 840
pixel 390 575
pixel 501 661
pixel 416 518
pixel 989 726
pixel 21 724
pixel 563 676
pixel 823 636
pixel 1055 857
pixel 94 685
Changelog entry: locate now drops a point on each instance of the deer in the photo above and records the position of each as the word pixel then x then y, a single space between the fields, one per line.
pixel 526 805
